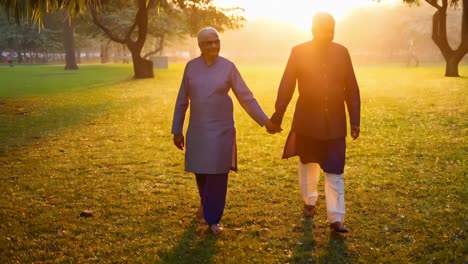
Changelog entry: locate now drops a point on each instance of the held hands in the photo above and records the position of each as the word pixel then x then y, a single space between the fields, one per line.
pixel 272 128
pixel 179 141
pixel 355 132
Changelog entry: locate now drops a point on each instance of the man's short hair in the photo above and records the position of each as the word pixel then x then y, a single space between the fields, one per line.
pixel 322 18
pixel 205 31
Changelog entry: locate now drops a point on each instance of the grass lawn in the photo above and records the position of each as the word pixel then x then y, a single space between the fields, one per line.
pixel 26 81
pixel 93 139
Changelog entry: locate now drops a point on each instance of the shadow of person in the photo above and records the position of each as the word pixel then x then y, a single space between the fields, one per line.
pixel 193 247
pixel 303 252
pixel 337 250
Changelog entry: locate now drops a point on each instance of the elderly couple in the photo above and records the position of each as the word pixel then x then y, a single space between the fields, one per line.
pixel 326 82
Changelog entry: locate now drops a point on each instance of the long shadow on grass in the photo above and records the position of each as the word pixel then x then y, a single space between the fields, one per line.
pixel 306 251
pixel 303 253
pixel 192 247
pixel 336 251
pixel 20 130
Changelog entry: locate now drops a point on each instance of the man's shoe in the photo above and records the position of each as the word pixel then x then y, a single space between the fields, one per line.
pixel 309 210
pixel 338 227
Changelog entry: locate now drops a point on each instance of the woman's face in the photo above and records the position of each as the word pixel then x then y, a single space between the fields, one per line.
pixel 210 44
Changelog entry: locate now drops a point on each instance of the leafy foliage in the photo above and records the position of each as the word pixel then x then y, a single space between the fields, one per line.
pixel 35 10
pixel 167 19
pixel 127 22
pixel 198 13
pixel 26 38
pixel 453 3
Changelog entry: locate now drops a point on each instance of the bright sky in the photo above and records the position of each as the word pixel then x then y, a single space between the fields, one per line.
pixel 299 12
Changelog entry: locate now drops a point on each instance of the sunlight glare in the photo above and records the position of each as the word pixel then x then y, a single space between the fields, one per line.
pixel 298 12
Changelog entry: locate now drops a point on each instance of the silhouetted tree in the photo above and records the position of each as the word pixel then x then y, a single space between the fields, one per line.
pixel 167 17
pixel 69 44
pixel 439 32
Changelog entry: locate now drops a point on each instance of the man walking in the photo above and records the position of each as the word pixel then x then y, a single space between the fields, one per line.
pixel 326 81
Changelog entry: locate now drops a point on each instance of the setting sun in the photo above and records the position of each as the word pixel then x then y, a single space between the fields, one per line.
pixel 298 12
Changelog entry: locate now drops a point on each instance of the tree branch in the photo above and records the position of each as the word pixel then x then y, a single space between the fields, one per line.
pixel 435 28
pixel 142 23
pixel 433 3
pixel 464 26
pixel 152 52
pixel 158 49
pixel 462 50
pixel 104 28
pixel 439 32
pixel 444 4
pixel 132 28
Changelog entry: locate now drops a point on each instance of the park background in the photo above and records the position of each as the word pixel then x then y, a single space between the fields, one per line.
pixel 97 139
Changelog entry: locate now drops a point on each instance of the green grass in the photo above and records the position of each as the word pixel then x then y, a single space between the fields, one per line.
pixel 108 148
pixel 25 81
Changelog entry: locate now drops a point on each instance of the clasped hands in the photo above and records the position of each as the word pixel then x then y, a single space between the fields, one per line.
pixel 272 128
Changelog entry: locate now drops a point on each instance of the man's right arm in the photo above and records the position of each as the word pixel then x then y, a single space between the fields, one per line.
pixel 285 90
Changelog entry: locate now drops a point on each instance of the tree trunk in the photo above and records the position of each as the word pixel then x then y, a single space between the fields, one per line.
pixel 78 55
pixel 104 53
pixel 125 59
pixel 142 68
pixel 69 45
pixel 451 69
pixel 439 35
pixel 20 56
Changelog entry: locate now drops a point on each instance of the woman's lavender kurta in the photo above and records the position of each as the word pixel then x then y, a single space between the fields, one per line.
pixel 211 135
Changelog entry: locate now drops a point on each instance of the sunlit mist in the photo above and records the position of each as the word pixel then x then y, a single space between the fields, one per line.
pixel 373 31
pixel 299 12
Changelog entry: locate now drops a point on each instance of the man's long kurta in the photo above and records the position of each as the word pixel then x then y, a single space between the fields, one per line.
pixel 211 135
pixel 326 81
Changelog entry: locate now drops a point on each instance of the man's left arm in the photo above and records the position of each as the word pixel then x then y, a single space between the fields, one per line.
pixel 286 88
pixel 352 98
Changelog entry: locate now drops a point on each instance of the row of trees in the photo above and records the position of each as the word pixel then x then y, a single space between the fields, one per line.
pixel 26 39
pixel 130 23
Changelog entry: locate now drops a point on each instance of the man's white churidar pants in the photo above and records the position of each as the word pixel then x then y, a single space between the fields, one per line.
pixel 334 190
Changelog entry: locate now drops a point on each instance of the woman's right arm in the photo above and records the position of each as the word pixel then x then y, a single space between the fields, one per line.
pixel 181 105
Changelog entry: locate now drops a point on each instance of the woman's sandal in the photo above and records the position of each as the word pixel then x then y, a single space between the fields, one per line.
pixel 216 229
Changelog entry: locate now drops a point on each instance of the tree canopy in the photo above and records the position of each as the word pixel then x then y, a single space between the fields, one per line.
pixel 130 22
pixel 35 10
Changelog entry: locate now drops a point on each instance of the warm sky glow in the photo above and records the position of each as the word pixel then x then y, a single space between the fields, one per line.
pixel 299 12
